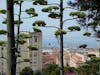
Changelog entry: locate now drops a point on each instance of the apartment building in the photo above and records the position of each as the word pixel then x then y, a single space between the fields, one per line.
pixel 76 60
pixel 49 58
pixel 23 55
pixel 36 55
pixel 27 57
pixel 93 51
pixel 69 58
pixel 3 59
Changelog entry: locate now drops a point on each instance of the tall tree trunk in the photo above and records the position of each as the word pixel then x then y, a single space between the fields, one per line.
pixel 61 39
pixel 11 58
pixel 18 28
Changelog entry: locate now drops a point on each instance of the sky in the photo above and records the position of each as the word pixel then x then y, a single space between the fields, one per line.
pixel 71 39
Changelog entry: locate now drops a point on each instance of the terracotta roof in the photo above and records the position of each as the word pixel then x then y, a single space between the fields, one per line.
pixel 77 59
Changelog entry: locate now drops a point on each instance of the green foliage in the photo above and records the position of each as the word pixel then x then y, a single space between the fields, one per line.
pixel 53 73
pixel 39 23
pixel 66 69
pixel 1 43
pixel 90 15
pixel 87 34
pixel 2 11
pixel 59 32
pixel 24 35
pixel 85 7
pixel 91 55
pixel 72 69
pixel 4 22
pixel 78 14
pixel 32 47
pixel 91 8
pixel 98 34
pixel 40 2
pixel 83 46
pixel 51 69
pixel 37 72
pixel 22 41
pixel 3 32
pixel 31 11
pixel 18 54
pixel 95 60
pixel 36 29
pixel 50 8
pixel 74 28
pixel 15 22
pixel 46 10
pixel 55 15
pixel 26 71
pixel 84 69
pixel 26 60
pixel 18 1
pixel 92 24
pixel 98 73
pixel 90 67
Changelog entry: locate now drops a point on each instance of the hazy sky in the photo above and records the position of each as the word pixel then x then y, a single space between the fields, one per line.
pixel 71 40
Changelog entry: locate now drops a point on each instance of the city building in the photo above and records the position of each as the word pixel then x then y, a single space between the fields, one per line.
pixel 25 56
pixel 67 57
pixel 50 57
pixel 76 60
pixel 37 59
pixel 93 51
pixel 72 59
pixel 3 59
pixel 36 55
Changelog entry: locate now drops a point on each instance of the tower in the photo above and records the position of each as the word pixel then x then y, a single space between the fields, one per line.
pixel 36 55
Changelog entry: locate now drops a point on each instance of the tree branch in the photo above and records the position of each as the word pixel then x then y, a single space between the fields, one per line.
pixel 54 4
pixel 52 27
pixel 27 17
pixel 69 19
pixel 70 8
pixel 25 31
pixel 28 0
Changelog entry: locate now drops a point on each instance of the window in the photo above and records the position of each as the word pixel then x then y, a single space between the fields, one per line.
pixel 30 62
pixel 2 48
pixel 34 59
pixel 2 55
pixel 19 48
pixel 35 54
pixel 35 39
pixel 34 62
pixel 30 55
